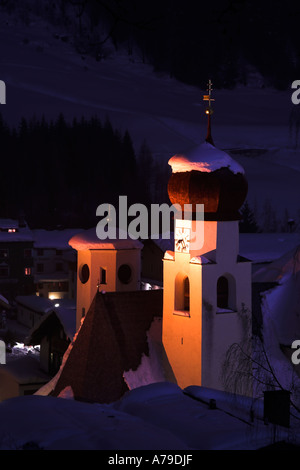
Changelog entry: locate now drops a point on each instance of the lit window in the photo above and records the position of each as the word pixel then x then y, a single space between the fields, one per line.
pixel 27 271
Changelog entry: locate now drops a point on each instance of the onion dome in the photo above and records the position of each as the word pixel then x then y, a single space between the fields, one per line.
pixel 208 176
pixel 211 177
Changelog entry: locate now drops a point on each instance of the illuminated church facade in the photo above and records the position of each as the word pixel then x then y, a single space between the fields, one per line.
pixel 203 309
pixel 207 285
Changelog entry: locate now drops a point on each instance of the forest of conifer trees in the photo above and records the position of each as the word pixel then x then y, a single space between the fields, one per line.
pixel 57 173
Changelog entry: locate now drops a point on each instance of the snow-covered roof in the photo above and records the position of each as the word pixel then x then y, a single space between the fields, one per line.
pixel 8 223
pixel 55 239
pixel 193 422
pixel 65 310
pixel 4 302
pixel 204 158
pixel 67 318
pixel 88 240
pixel 256 247
pixel 169 254
pixel 281 305
pixel 22 234
pixel 36 303
pixel 280 308
pixel 267 247
pixel 200 260
pixel 281 311
pixel 157 416
pixel 278 269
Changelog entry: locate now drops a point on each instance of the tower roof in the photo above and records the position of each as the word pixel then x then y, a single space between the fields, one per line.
pixel 88 240
pixel 211 177
pixel 208 176
pixel 112 340
pixel 205 158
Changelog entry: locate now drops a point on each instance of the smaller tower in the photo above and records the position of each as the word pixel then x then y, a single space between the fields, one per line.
pixel 104 265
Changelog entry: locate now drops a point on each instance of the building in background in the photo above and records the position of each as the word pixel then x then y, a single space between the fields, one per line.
pixel 16 259
pixel 54 263
pixel 53 333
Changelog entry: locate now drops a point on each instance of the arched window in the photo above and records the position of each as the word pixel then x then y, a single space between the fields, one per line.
pixel 182 292
pixel 186 294
pixel 222 292
pixel 226 292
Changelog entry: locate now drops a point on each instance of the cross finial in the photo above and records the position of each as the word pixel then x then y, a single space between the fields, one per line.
pixel 209 112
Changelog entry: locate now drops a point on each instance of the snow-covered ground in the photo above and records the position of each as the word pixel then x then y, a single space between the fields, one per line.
pixel 154 417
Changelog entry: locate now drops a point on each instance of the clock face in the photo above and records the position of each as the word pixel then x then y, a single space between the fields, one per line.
pixel 182 239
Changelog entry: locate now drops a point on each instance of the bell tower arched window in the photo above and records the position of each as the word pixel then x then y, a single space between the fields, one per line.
pixel 182 293
pixel 226 292
pixel 222 292
pixel 186 294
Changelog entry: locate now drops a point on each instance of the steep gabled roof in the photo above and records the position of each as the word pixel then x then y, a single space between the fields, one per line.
pixel 112 339
pixel 64 317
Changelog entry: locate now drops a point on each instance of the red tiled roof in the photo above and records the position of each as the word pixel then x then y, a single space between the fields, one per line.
pixel 111 340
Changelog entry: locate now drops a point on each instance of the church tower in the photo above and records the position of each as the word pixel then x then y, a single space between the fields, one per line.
pixel 108 265
pixel 207 285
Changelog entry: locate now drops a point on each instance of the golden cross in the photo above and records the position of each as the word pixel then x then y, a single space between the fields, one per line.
pixel 209 112
pixel 208 98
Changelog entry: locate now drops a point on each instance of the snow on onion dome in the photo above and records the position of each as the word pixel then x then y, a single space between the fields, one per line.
pixel 205 158
pixel 88 240
pixel 210 177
